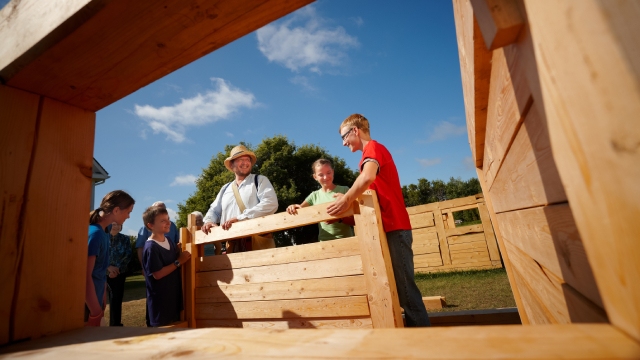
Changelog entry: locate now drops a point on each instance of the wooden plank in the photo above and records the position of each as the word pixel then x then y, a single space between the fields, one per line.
pixel 60 180
pixel 147 40
pixel 503 252
pixel 476 317
pixel 315 269
pixel 421 220
pixel 476 246
pixel 583 341
pixel 449 205
pixel 271 223
pixel 490 236
pixel 427 260
pixel 177 325
pixel 426 248
pixel 464 230
pixel 529 176
pixel 422 208
pixel 509 101
pixel 465 238
pixel 284 255
pixel 463 207
pixel 470 257
pixel 589 84
pixel 550 290
pixel 475 70
pixel 472 266
pixel 429 235
pixel 284 290
pixel 451 222
pixel 376 264
pixel 278 324
pixel 500 21
pixel 18 124
pixel 434 302
pixel 285 309
pixel 442 238
pixel 549 235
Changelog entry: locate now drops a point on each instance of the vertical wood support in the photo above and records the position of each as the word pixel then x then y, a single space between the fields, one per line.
pixel 51 154
pixel 442 237
pixel 500 21
pixel 589 72
pixel 490 238
pixel 376 264
pixel 189 269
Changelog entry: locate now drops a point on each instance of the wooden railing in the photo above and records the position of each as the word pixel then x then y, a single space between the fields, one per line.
pixel 438 245
pixel 345 283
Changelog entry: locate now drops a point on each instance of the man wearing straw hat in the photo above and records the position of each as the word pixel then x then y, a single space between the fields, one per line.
pixel 249 196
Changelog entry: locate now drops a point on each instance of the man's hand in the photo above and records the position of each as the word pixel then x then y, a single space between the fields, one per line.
pixel 207 227
pixel 339 206
pixel 113 271
pixel 227 224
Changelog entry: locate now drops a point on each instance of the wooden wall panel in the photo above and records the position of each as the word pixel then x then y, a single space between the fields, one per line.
pixel 18 124
pixel 549 235
pixel 50 298
pixel 589 80
pixel 529 176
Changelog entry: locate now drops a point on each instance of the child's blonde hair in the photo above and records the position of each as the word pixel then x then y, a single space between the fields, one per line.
pixel 320 162
pixel 356 120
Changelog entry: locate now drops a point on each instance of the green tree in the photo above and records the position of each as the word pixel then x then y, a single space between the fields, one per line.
pixel 287 166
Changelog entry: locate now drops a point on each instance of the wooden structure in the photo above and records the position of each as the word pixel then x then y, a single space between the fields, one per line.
pixel 552 115
pixel 345 283
pixel 438 245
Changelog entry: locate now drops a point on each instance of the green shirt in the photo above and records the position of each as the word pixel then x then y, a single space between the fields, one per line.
pixel 336 230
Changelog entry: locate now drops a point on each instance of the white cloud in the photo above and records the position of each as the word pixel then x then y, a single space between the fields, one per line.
pixel 445 130
pixel 468 163
pixel 228 134
pixel 217 104
pixel 184 180
pixel 304 82
pixel 357 20
pixel 429 162
pixel 305 41
pixel 129 232
pixel 173 216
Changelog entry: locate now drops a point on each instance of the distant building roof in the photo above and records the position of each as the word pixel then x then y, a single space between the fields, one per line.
pixel 99 173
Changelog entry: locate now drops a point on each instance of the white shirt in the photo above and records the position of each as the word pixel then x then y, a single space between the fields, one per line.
pixel 258 202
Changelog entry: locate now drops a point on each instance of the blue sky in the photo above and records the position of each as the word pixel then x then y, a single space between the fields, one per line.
pixel 394 62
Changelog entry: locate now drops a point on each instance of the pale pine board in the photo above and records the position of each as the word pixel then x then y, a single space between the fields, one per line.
pixel 278 324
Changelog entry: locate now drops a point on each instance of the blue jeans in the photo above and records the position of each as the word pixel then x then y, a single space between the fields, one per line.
pixel 415 313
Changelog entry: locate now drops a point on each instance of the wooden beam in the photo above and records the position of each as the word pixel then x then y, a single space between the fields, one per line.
pixel 442 238
pixel 500 21
pixel 279 324
pixel 476 317
pixel 589 80
pixel 92 53
pixel 271 223
pixel 376 264
pixel 584 341
pixel 464 230
pixel 489 234
pixel 434 302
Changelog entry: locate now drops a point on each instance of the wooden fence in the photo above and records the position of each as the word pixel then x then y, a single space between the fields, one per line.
pixel 438 245
pixel 346 283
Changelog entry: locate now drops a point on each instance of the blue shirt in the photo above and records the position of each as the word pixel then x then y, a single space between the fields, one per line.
pixel 99 247
pixel 144 234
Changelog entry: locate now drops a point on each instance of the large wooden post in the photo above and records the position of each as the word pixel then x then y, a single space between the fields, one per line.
pixel 46 165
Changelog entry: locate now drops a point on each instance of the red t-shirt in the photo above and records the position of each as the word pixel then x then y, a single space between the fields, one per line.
pixel 387 186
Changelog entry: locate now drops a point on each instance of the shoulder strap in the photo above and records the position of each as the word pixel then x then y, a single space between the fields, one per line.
pixel 236 193
pixel 255 180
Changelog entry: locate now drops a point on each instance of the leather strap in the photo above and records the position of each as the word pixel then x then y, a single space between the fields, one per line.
pixel 236 193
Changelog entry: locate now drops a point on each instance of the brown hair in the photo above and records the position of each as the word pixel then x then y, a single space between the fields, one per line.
pixel 149 216
pixel 115 198
pixel 356 120
pixel 320 162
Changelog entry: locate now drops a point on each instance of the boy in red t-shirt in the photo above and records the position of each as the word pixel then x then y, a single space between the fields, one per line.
pixel 378 172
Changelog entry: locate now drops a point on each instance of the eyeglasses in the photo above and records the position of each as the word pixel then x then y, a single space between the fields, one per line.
pixel 346 134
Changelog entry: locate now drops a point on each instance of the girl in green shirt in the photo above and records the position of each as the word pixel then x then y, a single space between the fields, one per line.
pixel 323 174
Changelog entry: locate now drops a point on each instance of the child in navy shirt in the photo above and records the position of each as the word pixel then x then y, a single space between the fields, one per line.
pixel 161 260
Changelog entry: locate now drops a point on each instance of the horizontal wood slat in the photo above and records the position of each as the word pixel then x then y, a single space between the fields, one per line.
pixel 284 290
pixel 315 269
pixel 464 230
pixel 474 266
pixel 285 309
pixel 424 260
pixel 476 246
pixel 275 222
pixel 278 324
pixel 445 205
pixel 470 257
pixel 284 255
pixel 421 220
pixel 452 240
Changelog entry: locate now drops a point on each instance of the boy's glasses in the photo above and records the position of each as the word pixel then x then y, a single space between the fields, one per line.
pixel 346 134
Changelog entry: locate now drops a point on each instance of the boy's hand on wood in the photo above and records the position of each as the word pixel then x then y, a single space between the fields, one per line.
pixel 184 257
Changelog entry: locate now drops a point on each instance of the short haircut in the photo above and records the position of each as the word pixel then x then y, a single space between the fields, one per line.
pixel 356 120
pixel 197 213
pixel 320 162
pixel 149 216
pixel 159 204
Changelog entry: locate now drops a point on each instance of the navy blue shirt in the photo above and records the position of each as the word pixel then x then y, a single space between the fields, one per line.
pixel 144 234
pixel 164 296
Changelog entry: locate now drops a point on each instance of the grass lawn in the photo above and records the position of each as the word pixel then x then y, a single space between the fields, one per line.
pixel 468 290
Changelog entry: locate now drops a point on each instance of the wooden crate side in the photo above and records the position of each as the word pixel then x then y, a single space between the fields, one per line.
pixel 549 235
pixel 376 264
pixel 18 124
pixel 284 290
pixel 292 323
pixel 421 220
pixel 589 83
pixel 529 176
pixel 314 269
pixel 52 267
pixel 352 306
pixel 284 255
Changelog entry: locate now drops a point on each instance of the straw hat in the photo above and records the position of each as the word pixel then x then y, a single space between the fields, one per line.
pixel 237 152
